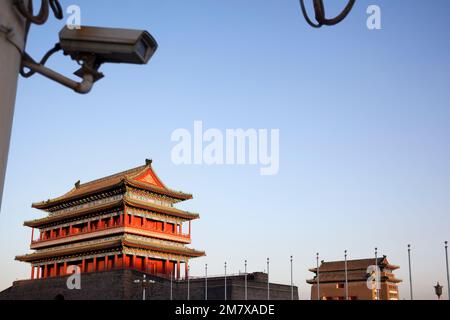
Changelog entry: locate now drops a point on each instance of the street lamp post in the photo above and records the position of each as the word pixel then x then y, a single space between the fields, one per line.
pixel 346 276
pixel 245 281
pixel 318 276
pixel 438 290
pixel 188 284
pixel 268 279
pixel 292 277
pixel 206 281
pixel 145 284
pixel 377 275
pixel 171 285
pixel 225 278
pixel 448 274
pixel 410 274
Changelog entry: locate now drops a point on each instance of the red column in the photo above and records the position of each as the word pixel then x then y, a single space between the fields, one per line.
pixel 133 262
pixel 70 230
pixel 55 269
pixel 190 228
pixel 32 235
pixel 106 263
pixel 95 264
pixel 178 270
pixel 83 266
pixel 32 272
pixel 116 261
pixel 123 260
pixel 65 268
pixel 146 265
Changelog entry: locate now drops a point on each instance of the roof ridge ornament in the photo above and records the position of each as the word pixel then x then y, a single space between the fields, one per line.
pixel 148 162
pixel 77 184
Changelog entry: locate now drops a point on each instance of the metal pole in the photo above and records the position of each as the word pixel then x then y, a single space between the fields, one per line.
pixel 188 285
pixel 171 281
pixel 206 281
pixel 268 279
pixel 410 275
pixel 292 277
pixel 144 283
pixel 225 281
pixel 12 42
pixel 318 276
pixel 245 281
pixel 346 276
pixel 376 274
pixel 448 274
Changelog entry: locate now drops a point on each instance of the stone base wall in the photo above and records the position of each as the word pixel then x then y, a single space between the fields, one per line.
pixel 119 285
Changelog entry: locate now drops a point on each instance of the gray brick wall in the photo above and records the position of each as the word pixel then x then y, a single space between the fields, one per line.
pixel 119 285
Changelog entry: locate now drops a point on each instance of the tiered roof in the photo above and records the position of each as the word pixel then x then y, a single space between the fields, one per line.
pixel 142 177
pixel 111 243
pixel 334 271
pixel 110 194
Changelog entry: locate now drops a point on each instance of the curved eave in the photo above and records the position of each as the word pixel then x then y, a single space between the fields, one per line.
pixel 75 196
pixel 384 279
pixel 185 251
pixel 52 219
pixel 394 280
pixel 69 251
pixel 162 191
pixel 392 267
pixel 160 209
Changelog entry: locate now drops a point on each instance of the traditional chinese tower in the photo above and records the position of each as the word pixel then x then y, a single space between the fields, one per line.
pixel 124 221
pixel 329 280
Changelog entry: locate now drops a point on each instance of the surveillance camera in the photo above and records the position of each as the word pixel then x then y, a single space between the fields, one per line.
pixel 91 47
pixel 108 45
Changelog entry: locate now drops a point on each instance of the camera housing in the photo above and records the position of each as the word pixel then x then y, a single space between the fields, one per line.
pixel 108 45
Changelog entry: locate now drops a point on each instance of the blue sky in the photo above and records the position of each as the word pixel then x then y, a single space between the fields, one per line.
pixel 363 118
